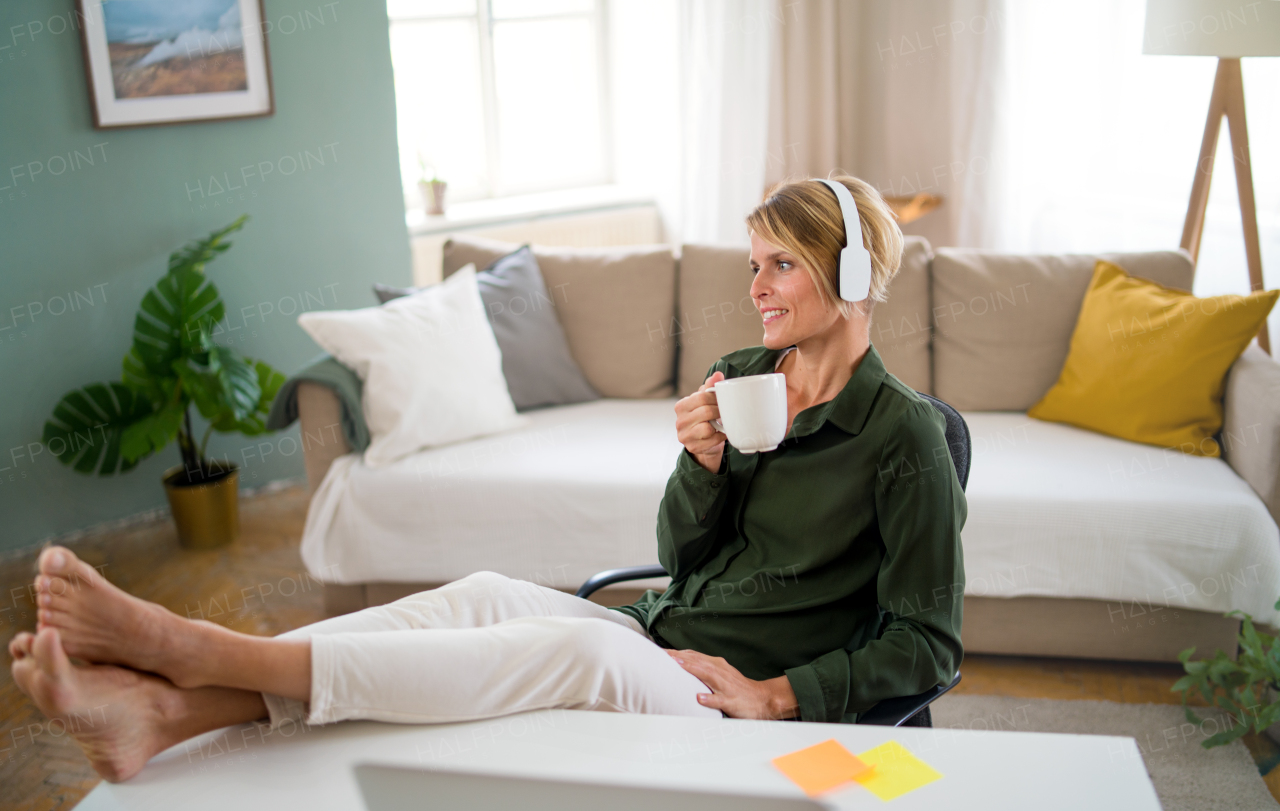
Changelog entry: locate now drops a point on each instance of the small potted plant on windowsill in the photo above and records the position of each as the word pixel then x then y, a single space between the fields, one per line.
pixel 107 428
pixel 432 188
pixel 1246 688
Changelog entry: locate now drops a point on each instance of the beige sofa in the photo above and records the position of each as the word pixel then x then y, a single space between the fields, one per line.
pixel 1076 545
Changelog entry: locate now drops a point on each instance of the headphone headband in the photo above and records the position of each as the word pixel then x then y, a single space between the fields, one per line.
pixel 855 259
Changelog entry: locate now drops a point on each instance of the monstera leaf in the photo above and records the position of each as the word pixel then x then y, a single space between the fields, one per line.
pixel 88 425
pixel 153 432
pixel 195 254
pixel 224 384
pixel 269 383
pixel 138 377
pixel 174 315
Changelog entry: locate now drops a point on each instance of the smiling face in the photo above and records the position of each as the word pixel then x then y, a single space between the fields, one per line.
pixel 789 302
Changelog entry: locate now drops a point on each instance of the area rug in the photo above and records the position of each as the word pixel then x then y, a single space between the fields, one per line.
pixel 1187 777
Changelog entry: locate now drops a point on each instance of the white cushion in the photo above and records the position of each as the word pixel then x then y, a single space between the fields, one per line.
pixel 431 367
pixel 574 492
pixel 1057 511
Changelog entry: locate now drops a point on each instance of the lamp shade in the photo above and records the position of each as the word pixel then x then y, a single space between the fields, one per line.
pixel 1226 28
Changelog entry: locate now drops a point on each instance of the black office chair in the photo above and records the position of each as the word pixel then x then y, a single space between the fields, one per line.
pixel 911 711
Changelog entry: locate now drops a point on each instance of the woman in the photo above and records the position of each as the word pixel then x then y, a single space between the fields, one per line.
pixel 812 581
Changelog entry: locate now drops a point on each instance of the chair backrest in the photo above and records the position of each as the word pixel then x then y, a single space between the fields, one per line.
pixel 958 441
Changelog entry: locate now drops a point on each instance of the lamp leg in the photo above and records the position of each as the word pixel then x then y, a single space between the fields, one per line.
pixel 1227 100
pixel 1244 182
pixel 1194 225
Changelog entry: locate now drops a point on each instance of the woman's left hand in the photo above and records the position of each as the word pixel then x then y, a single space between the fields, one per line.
pixel 733 693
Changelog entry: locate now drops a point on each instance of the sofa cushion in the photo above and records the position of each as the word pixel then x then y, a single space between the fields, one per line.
pixel 900 326
pixel 1003 322
pixel 714 311
pixel 613 304
pixel 715 314
pixel 1058 511
pixel 462 251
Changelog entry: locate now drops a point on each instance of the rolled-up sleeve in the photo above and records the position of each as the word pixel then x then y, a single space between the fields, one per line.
pixel 921 509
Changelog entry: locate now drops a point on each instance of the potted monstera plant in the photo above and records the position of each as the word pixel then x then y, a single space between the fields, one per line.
pixel 173 364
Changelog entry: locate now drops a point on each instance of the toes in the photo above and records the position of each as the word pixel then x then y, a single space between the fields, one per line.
pixel 54 560
pixel 52 618
pixel 49 655
pixel 58 561
pixel 20 645
pixel 52 590
pixel 23 671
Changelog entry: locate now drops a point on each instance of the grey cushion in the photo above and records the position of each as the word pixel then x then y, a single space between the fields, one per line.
pixel 535 355
pixel 614 303
pixel 1003 322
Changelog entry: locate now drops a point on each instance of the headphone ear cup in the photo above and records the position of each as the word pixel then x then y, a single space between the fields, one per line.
pixel 855 274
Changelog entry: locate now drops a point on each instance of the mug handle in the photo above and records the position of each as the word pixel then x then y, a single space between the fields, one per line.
pixel 716 424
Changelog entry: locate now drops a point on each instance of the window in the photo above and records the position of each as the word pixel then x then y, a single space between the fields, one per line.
pixel 500 97
pixel 1104 141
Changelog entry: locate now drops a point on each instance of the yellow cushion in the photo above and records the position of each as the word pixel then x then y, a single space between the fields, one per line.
pixel 1148 363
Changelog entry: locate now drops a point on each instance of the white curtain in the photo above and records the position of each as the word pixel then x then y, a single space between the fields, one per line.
pixel 726 58
pixel 690 81
pixel 1046 130
pixel 903 94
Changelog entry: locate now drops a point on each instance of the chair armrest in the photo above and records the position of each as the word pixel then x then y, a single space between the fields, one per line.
pixel 611 576
pixel 1251 424
pixel 895 712
pixel 320 421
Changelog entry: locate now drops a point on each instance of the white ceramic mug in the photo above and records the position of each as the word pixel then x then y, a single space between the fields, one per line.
pixel 753 411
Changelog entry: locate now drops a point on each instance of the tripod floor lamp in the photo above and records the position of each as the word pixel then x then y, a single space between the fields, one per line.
pixel 1229 30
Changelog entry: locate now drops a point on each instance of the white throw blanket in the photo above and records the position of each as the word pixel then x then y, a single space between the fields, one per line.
pixel 1054 511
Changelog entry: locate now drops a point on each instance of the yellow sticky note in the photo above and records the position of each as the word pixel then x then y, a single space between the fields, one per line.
pixel 896 771
pixel 820 767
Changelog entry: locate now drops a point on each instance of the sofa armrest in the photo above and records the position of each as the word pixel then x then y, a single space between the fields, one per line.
pixel 320 420
pixel 1251 424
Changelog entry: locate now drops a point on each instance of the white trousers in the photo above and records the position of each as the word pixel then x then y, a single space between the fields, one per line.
pixel 481 647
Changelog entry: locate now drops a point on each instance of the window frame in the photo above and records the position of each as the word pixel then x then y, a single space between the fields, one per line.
pixel 493 186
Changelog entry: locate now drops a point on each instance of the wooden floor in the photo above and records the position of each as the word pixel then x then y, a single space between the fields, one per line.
pixel 258 586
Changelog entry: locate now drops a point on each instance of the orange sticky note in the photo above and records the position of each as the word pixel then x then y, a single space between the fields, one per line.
pixel 820 767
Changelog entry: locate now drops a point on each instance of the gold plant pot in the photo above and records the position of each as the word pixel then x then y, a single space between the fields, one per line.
pixel 207 515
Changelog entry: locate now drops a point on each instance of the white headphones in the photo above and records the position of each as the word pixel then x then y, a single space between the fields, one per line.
pixel 855 259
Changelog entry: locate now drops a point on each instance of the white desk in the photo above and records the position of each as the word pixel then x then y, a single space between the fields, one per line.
pixel 240 769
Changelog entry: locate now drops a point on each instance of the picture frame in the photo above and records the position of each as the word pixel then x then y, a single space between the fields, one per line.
pixel 156 62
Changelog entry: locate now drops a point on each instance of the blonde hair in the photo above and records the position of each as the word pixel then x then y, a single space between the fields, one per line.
pixel 803 217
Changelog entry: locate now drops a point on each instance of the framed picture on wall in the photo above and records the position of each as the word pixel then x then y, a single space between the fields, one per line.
pixel 175 61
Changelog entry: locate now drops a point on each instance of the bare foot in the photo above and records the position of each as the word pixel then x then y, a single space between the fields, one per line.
pixel 116 715
pixel 100 623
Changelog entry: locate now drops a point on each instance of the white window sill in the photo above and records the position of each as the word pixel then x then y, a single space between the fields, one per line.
pixel 522 208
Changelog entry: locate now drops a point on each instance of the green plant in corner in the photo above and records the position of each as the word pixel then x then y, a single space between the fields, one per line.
pixel 1245 688
pixel 107 428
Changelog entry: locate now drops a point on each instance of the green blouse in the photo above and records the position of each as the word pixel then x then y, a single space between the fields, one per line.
pixel 834 560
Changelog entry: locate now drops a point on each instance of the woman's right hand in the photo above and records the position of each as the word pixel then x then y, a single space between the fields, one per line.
pixel 693 425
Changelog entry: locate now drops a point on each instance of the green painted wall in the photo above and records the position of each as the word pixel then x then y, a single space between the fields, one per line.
pixel 79 247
